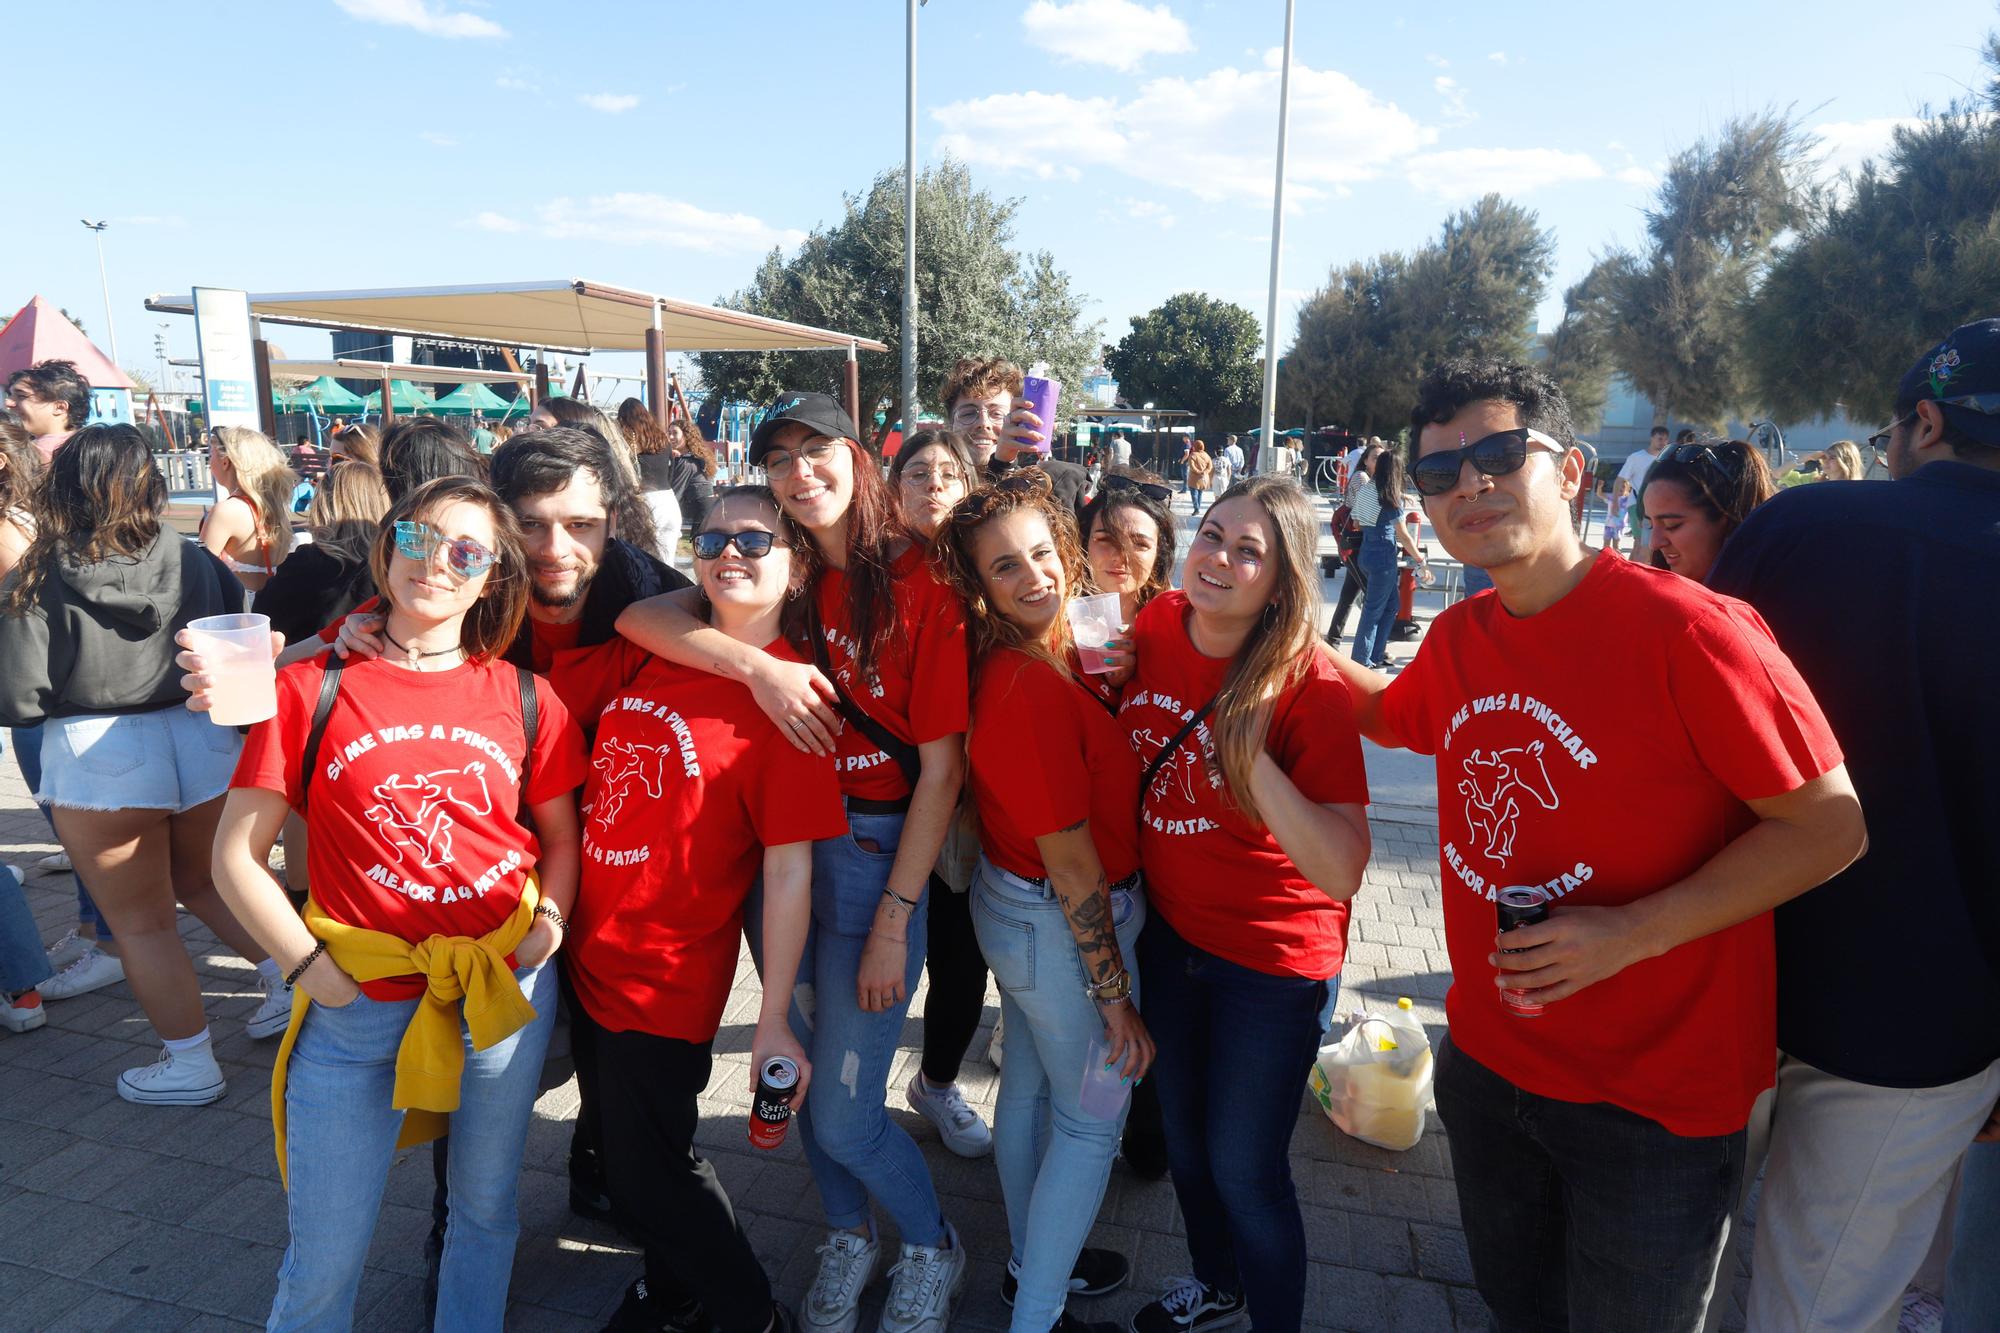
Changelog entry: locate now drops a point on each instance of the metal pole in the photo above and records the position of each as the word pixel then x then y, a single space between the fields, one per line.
pixel 1267 454
pixel 909 384
pixel 110 327
pixel 850 383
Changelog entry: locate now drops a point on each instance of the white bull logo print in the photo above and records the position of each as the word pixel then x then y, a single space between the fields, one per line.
pixel 622 764
pixel 1493 782
pixel 413 814
pixel 1176 771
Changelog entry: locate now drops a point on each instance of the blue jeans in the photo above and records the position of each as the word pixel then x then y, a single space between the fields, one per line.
pixel 1378 603
pixel 1199 496
pixel 1972 1282
pixel 1053 1159
pixel 854 1149
pixel 1235 1048
pixel 1583 1215
pixel 28 755
pixel 340 1138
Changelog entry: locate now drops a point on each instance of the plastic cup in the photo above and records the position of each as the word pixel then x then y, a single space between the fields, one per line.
pixel 1093 622
pixel 242 676
pixel 1105 1091
pixel 1040 396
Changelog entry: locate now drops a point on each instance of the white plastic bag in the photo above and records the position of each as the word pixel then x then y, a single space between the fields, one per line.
pixel 1375 1082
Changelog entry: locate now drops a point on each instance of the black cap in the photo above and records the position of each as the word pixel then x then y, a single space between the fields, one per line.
pixel 815 410
pixel 1962 376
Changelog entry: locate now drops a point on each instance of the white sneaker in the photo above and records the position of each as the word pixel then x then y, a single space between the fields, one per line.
pixel 68 949
pixel 95 970
pixel 54 863
pixel 847 1263
pixel 924 1286
pixel 23 1012
pixel 193 1079
pixel 275 1014
pixel 957 1124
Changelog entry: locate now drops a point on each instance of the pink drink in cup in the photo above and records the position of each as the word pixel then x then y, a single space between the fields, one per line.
pixel 1040 394
pixel 1093 622
pixel 242 676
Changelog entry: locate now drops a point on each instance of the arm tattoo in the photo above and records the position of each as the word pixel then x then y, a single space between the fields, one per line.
pixel 1090 922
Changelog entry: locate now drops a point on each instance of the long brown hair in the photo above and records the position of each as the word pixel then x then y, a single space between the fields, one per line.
pixel 100 497
pixel 1725 478
pixel 986 630
pixel 875 535
pixel 1102 505
pixel 1279 653
pixel 490 626
pixel 360 443
pixel 792 617
pixel 641 431
pixel 346 510
pixel 20 468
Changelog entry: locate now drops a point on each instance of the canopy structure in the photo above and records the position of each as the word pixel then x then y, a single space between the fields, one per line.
pixel 1295 433
pixel 566 315
pixel 404 397
pixel 325 395
pixel 356 368
pixel 467 399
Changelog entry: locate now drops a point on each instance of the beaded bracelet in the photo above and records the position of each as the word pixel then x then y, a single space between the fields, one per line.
pixel 555 916
pixel 292 977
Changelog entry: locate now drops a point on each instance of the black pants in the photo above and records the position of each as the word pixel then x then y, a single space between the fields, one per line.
pixel 694 1245
pixel 958 984
pixel 1353 583
pixel 1582 1216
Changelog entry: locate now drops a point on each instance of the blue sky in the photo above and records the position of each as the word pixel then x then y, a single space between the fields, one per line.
pixel 312 144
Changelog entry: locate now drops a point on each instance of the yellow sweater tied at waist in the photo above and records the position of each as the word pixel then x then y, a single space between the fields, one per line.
pixel 464 977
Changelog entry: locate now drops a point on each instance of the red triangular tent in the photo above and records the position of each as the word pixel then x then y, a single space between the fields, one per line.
pixel 40 332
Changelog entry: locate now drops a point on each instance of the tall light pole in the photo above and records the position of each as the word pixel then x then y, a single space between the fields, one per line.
pixel 1267 455
pixel 909 384
pixel 110 328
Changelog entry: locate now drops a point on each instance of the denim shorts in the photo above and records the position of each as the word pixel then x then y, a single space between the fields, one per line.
pixel 169 759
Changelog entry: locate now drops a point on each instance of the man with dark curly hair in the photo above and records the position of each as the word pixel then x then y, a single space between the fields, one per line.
pixel 52 399
pixel 1631 753
pixel 981 398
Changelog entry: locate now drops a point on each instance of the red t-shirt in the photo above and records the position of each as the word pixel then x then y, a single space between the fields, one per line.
pixel 1225 885
pixel 919 688
pixel 1604 748
pixel 1045 752
pixel 689 783
pixel 412 809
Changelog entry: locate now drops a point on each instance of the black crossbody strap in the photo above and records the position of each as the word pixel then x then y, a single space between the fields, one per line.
pixel 531 717
pixel 329 686
pixel 1166 751
pixel 904 753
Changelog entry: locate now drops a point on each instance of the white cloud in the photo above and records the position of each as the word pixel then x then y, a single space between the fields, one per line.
pixel 1150 210
pixel 1213 135
pixel 517 81
pixel 1497 57
pixel 1644 177
pixel 1466 173
pixel 436 140
pixel 1118 33
pixel 1845 144
pixel 1453 93
pixel 421 16
pixel 1437 61
pixel 611 104
pixel 630 218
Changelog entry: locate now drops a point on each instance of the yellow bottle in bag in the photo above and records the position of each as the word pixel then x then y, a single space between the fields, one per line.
pixel 1375 1082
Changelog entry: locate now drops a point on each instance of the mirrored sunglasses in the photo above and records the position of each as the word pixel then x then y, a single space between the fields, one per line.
pixel 464 556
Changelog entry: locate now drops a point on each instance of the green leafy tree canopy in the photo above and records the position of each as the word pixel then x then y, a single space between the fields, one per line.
pixel 1191 352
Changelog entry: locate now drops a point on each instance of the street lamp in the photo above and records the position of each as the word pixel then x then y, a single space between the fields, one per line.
pixel 1267 456
pixel 110 328
pixel 908 389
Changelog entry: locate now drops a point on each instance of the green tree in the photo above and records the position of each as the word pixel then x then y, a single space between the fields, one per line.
pixel 1364 338
pixel 1669 314
pixel 975 296
pixel 1576 355
pixel 1912 252
pixel 1192 352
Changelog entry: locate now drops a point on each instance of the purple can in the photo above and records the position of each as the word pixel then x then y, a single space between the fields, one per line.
pixel 1040 395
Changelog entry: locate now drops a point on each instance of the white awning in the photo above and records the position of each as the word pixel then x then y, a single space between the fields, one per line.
pixel 352 368
pixel 561 315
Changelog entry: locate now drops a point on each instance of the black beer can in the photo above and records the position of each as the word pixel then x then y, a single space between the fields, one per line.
pixel 1521 905
pixel 771 1112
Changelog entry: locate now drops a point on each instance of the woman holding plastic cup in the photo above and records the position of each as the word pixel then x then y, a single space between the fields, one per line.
pixel 437 782
pixel 135 781
pixel 1057 900
pixel 1253 836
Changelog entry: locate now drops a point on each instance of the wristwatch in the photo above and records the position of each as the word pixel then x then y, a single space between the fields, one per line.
pixel 1112 991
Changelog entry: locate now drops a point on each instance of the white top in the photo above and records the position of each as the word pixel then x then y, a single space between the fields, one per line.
pixel 1633 471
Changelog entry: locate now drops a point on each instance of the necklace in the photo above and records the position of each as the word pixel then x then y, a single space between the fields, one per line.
pixel 414 654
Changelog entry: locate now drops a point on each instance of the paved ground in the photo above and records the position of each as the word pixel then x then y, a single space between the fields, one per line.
pixel 118 1216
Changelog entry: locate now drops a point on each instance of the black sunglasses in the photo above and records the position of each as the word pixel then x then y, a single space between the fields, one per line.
pixel 1495 455
pixel 1118 481
pixel 751 544
pixel 1729 464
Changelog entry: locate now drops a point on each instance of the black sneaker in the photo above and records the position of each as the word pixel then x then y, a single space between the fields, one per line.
pixel 643 1312
pixel 1189 1307
pixel 1097 1272
pixel 1069 1323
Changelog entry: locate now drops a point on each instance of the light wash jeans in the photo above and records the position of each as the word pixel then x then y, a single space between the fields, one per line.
pixel 340 1138
pixel 1053 1159
pixel 854 1149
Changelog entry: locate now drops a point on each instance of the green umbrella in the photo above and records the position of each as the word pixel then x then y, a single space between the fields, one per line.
pixel 403 395
pixel 324 393
pixel 469 398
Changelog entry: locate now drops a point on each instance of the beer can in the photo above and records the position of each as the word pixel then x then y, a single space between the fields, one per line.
pixel 1521 905
pixel 771 1112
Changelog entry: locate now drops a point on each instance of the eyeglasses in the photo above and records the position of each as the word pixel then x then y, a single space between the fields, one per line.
pixel 975 412
pixel 1495 455
pixel 419 541
pixel 783 462
pixel 751 544
pixel 1727 462
pixel 924 476
pixel 1118 481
